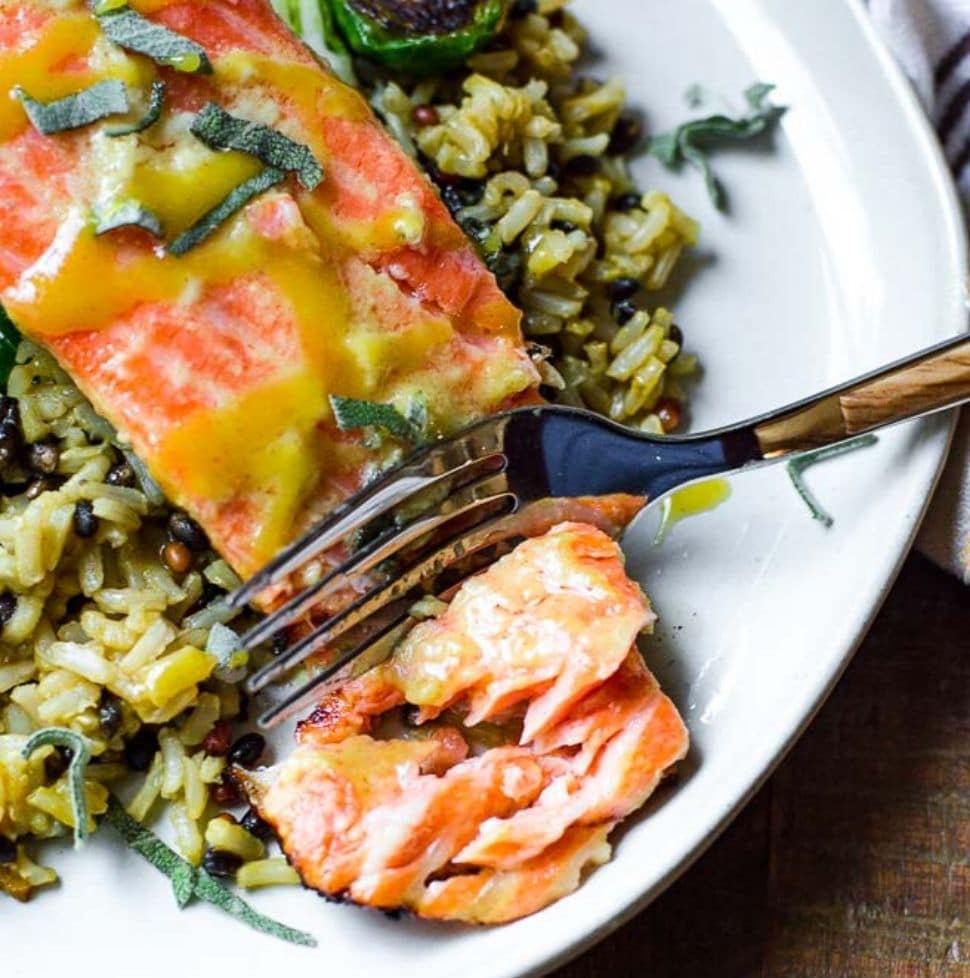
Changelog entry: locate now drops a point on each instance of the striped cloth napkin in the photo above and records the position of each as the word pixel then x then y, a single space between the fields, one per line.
pixel 931 40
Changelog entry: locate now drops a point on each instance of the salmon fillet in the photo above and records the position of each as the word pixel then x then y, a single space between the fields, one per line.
pixel 217 365
pixel 531 727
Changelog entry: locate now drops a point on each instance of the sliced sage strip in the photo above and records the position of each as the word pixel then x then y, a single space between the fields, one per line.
pixel 151 116
pixel 129 214
pixel 79 109
pixel 130 30
pixel 80 756
pixel 797 466
pixel 220 130
pixel 352 414
pixel 189 882
pixel 234 201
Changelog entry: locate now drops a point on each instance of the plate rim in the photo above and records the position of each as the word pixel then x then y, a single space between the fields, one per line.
pixel 956 231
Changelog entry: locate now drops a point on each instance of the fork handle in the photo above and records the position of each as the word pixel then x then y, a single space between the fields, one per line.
pixel 929 381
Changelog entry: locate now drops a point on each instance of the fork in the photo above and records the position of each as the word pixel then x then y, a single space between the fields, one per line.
pixel 514 473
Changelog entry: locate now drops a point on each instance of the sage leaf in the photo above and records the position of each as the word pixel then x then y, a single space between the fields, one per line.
pixel 234 201
pixel 691 142
pixel 80 756
pixel 151 116
pixel 79 109
pixel 220 130
pixel 130 30
pixel 127 214
pixel 189 883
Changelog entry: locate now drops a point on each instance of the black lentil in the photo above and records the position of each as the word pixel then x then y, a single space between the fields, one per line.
pixel 141 749
pixel 184 529
pixel 8 850
pixel 43 457
pixel 121 474
pixel 622 288
pixel 57 762
pixel 11 443
pixel 627 202
pixel 8 605
pixel 257 826
pixel 9 411
pixel 247 750
pixel 583 165
pixel 676 334
pixel 218 862
pixel 279 644
pixel 85 522
pixel 109 714
pixel 564 226
pixel 627 132
pixel 522 8
pixel 623 311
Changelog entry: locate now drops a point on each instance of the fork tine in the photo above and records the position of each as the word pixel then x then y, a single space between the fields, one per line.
pixel 305 694
pixel 387 545
pixel 464 542
pixel 440 463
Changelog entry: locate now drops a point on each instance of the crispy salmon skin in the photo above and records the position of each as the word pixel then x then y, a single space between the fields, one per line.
pixel 530 728
pixel 217 363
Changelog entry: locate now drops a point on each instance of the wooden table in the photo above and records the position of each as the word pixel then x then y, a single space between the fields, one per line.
pixel 854 860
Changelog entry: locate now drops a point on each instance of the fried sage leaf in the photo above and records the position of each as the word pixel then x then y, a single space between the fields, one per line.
pixel 79 109
pixel 352 414
pixel 152 115
pixel 130 30
pixel 80 756
pixel 234 201
pixel 797 466
pixel 691 141
pixel 189 882
pixel 129 214
pixel 220 130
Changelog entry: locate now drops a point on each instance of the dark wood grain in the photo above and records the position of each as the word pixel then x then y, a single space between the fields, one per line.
pixel 854 861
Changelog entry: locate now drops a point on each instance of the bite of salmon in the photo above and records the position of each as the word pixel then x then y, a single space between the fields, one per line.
pixel 478 772
pixel 217 363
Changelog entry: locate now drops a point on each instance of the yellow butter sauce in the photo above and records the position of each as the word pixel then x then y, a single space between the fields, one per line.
pixel 692 500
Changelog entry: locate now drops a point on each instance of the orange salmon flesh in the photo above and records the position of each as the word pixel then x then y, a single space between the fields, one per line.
pixel 217 366
pixel 534 729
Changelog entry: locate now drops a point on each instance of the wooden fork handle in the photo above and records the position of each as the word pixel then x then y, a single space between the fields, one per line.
pixel 930 381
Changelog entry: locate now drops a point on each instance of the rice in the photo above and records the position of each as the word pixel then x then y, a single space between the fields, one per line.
pixel 526 153
pixel 100 637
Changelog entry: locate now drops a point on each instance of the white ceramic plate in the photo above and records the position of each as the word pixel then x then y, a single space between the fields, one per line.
pixel 843 250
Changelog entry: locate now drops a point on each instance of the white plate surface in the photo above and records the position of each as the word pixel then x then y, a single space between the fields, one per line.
pixel 843 250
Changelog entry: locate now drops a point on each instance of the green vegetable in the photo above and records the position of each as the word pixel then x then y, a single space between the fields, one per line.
pixel 76 110
pixel 312 20
pixel 352 414
pixel 418 38
pixel 9 341
pixel 80 755
pixel 189 882
pixel 129 30
pixel 220 130
pixel 690 142
pixel 234 201
pixel 128 214
pixel 797 466
pixel 156 101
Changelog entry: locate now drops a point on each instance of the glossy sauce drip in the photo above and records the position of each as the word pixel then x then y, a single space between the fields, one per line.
pixel 701 497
